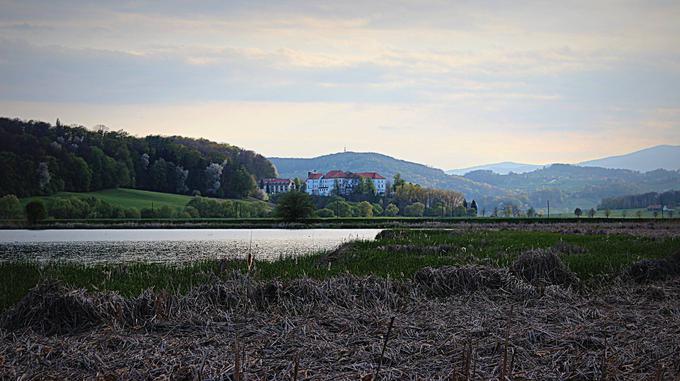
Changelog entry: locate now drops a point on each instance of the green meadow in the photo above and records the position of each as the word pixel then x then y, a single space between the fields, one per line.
pixel 125 198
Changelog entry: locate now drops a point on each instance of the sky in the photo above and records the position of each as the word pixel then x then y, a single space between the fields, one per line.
pixel 447 83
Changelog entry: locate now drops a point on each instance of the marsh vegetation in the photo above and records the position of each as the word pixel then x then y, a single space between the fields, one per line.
pixel 522 302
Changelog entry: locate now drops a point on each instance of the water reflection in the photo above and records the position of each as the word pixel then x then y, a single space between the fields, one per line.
pixel 170 245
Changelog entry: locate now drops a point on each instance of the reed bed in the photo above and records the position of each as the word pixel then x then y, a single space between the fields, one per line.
pixel 502 305
pixel 468 323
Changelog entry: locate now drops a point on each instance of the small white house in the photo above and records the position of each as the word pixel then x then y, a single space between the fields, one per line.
pixel 274 186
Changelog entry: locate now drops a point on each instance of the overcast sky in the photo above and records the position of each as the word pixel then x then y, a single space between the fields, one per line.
pixel 446 83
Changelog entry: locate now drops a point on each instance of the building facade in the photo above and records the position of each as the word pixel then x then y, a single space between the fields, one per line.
pixel 344 183
pixel 274 186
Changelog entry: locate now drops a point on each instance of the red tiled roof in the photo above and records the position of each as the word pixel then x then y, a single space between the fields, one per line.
pixel 276 181
pixel 335 174
pixel 371 175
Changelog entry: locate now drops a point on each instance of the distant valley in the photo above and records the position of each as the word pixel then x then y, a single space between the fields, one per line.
pixel 525 185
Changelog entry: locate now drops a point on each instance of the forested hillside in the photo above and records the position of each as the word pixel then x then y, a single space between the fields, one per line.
pixel 565 186
pixel 570 186
pixel 388 167
pixel 669 199
pixel 38 158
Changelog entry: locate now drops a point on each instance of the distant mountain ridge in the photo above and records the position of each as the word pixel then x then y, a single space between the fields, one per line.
pixel 500 168
pixel 645 160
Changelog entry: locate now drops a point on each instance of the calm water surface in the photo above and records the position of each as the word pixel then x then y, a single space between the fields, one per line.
pixel 170 245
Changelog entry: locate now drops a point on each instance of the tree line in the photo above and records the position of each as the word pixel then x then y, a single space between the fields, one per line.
pixel 669 199
pixel 37 158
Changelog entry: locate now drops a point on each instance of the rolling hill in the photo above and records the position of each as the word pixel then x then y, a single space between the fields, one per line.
pixel 571 186
pixel 566 186
pixel 124 198
pixel 386 166
pixel 648 159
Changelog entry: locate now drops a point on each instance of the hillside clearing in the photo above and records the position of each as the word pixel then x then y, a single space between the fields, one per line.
pixel 128 198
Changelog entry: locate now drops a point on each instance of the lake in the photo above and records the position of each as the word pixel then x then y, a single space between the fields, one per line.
pixel 170 245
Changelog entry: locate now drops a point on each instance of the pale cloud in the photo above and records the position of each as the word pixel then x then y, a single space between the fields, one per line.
pixel 280 77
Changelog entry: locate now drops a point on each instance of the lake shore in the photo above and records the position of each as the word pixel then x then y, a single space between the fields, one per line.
pixel 319 223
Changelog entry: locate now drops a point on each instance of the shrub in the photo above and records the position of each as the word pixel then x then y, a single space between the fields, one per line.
pixel 294 206
pixel 415 210
pixel 391 210
pixel 103 209
pixel 340 208
pixel 325 213
pixel 10 207
pixel 192 212
pixel 61 209
pixel 132 213
pixel 81 209
pixel 166 212
pixel 149 213
pixel 209 208
pixel 354 211
pixel 35 211
pixel 117 212
pixel 365 209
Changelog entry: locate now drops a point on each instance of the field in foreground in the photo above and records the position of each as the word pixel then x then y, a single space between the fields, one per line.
pixel 349 328
pixel 469 304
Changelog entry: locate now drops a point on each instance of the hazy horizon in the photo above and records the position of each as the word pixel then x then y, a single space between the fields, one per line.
pixel 447 85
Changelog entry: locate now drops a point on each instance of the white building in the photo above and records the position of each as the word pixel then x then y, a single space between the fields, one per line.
pixel 274 186
pixel 323 185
